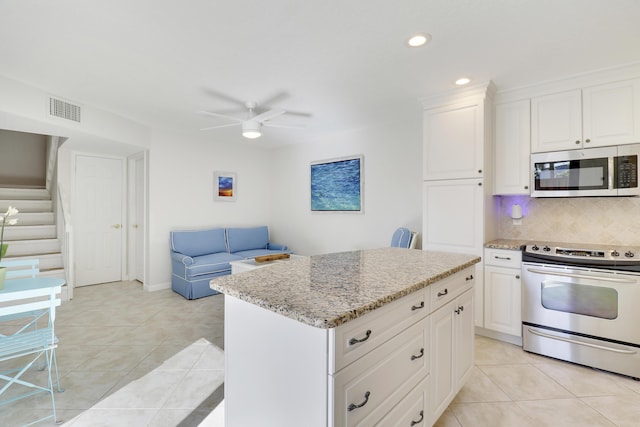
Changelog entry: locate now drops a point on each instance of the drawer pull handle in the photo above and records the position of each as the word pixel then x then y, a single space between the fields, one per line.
pixel 508 258
pixel 417 307
pixel 413 357
pixel 470 277
pixel 443 293
pixel 353 341
pixel 420 420
pixel 354 406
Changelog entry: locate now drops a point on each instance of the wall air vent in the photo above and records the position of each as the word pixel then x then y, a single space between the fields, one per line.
pixel 64 110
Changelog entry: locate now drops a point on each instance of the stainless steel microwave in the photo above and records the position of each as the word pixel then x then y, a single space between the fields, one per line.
pixel 605 171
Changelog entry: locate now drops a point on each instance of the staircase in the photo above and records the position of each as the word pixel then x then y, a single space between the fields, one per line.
pixel 35 235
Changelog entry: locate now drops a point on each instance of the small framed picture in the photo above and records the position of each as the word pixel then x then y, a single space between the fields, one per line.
pixel 225 186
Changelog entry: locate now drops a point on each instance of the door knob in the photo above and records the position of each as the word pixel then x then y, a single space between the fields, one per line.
pixel 116 226
pixel 135 225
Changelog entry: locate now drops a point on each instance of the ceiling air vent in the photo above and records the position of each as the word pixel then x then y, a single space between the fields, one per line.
pixel 64 110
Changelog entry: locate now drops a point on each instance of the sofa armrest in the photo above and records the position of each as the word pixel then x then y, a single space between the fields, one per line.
pixel 277 247
pixel 177 256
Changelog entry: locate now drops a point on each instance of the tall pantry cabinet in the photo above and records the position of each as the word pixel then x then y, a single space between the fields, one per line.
pixel 459 212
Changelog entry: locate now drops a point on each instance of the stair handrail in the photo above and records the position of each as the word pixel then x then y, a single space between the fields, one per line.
pixel 67 239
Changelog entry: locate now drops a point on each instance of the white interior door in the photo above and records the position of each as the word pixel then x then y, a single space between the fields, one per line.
pixel 136 217
pixel 97 216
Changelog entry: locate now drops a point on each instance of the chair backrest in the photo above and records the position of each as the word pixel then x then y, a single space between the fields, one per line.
pixel 21 268
pixel 403 238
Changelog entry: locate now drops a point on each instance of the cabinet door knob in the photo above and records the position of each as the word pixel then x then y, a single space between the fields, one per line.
pixel 418 421
pixel 479 184
pixel 526 187
pixel 353 341
pixel 517 276
pixel 578 142
pixel 587 140
pixel 469 278
pixel 479 170
pixel 354 406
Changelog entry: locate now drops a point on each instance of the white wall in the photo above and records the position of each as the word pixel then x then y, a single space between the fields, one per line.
pixel 392 189
pixel 181 191
pixel 22 159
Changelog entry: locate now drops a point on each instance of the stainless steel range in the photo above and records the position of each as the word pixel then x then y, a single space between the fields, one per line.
pixel 581 303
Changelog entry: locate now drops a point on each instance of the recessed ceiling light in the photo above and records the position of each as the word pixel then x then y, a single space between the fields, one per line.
pixel 463 81
pixel 419 39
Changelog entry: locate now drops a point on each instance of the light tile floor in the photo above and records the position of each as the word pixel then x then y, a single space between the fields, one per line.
pixel 114 334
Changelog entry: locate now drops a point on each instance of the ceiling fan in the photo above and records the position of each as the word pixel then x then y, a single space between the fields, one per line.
pixel 252 124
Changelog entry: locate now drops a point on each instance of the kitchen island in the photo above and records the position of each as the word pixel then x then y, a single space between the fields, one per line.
pixel 352 338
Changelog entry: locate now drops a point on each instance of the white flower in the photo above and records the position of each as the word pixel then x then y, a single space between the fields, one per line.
pixel 11 211
pixel 13 221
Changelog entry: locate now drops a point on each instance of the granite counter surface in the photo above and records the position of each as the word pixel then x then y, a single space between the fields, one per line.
pixel 509 244
pixel 326 291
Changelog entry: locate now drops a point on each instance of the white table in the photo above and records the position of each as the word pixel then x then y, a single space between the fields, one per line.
pixel 15 289
pixel 251 264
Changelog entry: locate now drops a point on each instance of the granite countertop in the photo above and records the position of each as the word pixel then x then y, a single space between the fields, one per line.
pixel 509 244
pixel 326 291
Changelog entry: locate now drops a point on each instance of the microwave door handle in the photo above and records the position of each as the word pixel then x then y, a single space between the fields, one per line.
pixel 582 276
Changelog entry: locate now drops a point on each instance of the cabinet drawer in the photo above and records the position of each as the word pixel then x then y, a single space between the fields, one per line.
pixel 502 258
pixel 354 339
pixel 366 390
pixel 447 289
pixel 413 410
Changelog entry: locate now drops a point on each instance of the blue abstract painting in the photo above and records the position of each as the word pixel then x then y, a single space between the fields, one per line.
pixel 336 185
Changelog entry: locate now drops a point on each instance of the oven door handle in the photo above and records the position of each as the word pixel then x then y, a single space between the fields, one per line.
pixel 581 276
pixel 586 344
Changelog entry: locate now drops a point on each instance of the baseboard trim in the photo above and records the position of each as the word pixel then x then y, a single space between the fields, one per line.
pixel 156 287
pixel 512 339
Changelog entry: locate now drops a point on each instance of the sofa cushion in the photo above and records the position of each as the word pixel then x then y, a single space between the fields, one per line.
pixel 208 264
pixel 244 239
pixel 198 242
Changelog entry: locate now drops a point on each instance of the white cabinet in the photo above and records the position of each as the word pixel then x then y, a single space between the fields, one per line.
pixel 512 144
pixel 595 116
pixel 452 330
pixel 453 219
pixel 502 290
pixel 459 213
pixel 454 141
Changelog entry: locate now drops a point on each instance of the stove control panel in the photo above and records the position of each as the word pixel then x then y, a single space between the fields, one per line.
pixel 589 255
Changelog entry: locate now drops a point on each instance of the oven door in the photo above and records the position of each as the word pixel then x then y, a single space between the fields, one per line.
pixel 597 303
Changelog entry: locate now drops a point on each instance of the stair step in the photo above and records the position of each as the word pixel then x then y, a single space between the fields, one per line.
pixel 33 248
pixel 24 193
pixel 34 218
pixel 29 232
pixel 47 261
pixel 25 206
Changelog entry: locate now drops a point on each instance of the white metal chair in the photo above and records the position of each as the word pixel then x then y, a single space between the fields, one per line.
pixel 28 342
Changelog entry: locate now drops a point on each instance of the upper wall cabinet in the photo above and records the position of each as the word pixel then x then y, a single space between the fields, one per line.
pixel 595 116
pixel 454 141
pixel 511 147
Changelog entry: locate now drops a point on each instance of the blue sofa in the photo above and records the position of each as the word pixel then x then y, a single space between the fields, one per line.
pixel 199 255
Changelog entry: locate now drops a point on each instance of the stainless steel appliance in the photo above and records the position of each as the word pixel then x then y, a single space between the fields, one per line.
pixel 605 171
pixel 582 304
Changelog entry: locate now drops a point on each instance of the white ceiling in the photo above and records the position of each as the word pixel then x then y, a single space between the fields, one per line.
pixel 343 61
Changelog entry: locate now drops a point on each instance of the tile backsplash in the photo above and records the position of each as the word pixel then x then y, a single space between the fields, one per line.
pixel 600 220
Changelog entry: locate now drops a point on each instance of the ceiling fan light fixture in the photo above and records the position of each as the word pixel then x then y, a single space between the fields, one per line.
pixel 419 39
pixel 251 129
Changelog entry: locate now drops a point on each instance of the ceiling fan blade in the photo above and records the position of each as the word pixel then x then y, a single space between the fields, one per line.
pixel 283 125
pixel 268 115
pixel 224 96
pixel 220 126
pixel 298 113
pixel 275 98
pixel 211 113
